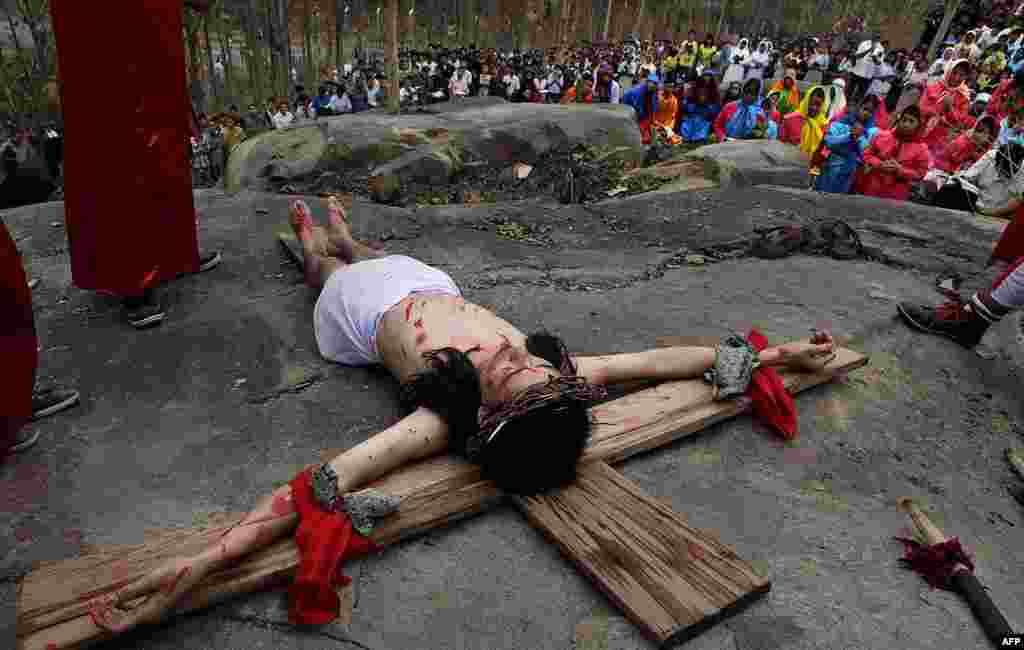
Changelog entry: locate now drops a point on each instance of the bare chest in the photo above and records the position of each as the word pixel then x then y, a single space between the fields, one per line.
pixel 421 323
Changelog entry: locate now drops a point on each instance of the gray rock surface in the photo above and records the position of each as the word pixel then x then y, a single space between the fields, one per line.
pixel 175 422
pixel 753 162
pixel 488 128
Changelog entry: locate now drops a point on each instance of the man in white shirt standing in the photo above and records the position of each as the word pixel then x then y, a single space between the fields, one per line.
pixel 863 70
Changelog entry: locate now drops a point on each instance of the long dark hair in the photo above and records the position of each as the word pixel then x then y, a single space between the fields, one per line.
pixel 535 451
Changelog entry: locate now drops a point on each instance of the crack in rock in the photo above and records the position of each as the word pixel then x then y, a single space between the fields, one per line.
pixel 261 622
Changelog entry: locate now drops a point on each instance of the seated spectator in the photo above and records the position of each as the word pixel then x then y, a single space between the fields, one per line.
pixel 847 138
pixel 768 122
pixel 836 99
pixel 738 119
pixel 304 109
pixel 770 106
pixel 374 93
pixel 938 68
pixel 581 93
pixel 945 107
pixel 665 115
pixel 805 127
pixel 895 159
pixel 992 186
pixel 322 103
pixel 644 100
pixel 789 93
pixel 606 89
pixel 960 155
pixel 283 117
pixel 699 111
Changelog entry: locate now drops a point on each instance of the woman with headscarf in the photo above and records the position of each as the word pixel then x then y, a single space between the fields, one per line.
pixel 789 93
pixel 945 107
pixel 846 140
pixel 938 68
pixel 699 110
pixel 895 159
pixel 806 126
pixel 735 70
pixel 759 61
pixel 968 48
pixel 739 118
pixel 836 98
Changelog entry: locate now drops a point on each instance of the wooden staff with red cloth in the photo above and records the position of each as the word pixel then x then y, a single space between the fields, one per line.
pixel 945 565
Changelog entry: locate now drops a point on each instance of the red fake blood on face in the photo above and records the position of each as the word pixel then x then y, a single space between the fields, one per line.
pixel 421 338
pixel 408 312
pixel 282 506
pixel 418 323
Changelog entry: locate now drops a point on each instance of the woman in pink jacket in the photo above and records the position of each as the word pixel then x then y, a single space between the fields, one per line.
pixel 945 108
pixel 895 159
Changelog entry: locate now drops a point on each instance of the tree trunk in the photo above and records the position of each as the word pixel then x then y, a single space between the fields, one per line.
pixel 211 69
pixel 721 18
pixel 952 6
pixel 339 26
pixel 255 55
pixel 607 21
pixel 640 17
pixel 308 69
pixel 391 52
pixel 224 31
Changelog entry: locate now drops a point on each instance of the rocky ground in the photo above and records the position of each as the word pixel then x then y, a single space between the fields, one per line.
pixel 229 398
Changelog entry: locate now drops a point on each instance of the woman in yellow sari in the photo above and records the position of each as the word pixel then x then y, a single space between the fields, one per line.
pixel 806 127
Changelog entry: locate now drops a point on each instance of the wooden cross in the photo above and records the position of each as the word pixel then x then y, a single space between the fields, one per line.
pixel 670 579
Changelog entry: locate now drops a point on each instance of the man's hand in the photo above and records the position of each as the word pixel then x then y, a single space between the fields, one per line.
pixel 808 357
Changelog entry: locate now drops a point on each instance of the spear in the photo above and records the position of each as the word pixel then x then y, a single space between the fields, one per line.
pixel 944 564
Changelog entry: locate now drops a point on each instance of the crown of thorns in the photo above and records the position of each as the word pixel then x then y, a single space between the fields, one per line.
pixel 568 386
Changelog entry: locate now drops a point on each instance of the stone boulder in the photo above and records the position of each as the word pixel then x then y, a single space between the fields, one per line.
pixel 487 128
pixel 754 162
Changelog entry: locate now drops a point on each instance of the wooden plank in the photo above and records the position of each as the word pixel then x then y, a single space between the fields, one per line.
pixel 671 580
pixel 435 492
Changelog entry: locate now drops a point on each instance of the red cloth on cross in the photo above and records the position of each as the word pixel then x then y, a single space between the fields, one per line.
pixel 325 540
pixel 772 403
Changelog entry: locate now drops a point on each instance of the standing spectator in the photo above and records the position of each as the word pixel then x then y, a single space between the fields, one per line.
pixel 738 119
pixel 806 126
pixel 847 139
pixel 736 70
pixel 282 116
pixel 863 70
pixel 759 61
pixel 458 85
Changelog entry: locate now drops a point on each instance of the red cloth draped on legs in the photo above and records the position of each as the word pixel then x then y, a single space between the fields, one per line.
pixel 1005 274
pixel 325 539
pixel 128 180
pixel 1011 243
pixel 18 344
pixel 772 403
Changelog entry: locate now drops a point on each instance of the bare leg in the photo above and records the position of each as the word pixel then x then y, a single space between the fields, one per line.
pixel 341 237
pixel 319 265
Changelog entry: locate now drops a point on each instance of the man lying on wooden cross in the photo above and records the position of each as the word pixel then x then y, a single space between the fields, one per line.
pixel 515 404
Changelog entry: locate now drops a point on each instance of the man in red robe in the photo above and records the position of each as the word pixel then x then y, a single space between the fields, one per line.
pixel 127 236
pixel 19 403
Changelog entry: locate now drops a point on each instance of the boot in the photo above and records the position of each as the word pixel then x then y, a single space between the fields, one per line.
pixel 965 323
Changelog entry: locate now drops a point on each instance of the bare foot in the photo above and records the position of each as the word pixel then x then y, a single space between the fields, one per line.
pixel 302 224
pixel 165 587
pixel 339 234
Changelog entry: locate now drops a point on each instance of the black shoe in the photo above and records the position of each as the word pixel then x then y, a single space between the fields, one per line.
pixel 208 261
pixel 145 311
pixel 952 319
pixel 52 400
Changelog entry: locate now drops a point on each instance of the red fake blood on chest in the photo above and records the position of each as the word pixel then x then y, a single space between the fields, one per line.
pixel 421 338
pixel 419 323
pixel 408 312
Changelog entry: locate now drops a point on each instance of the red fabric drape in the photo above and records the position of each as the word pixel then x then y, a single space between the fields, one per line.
pixel 772 403
pixel 325 540
pixel 128 188
pixel 17 343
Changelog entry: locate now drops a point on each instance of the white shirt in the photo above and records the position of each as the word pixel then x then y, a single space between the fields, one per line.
pixel 459 84
pixel 878 86
pixel 512 83
pixel 864 66
pixel 994 190
pixel 282 120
